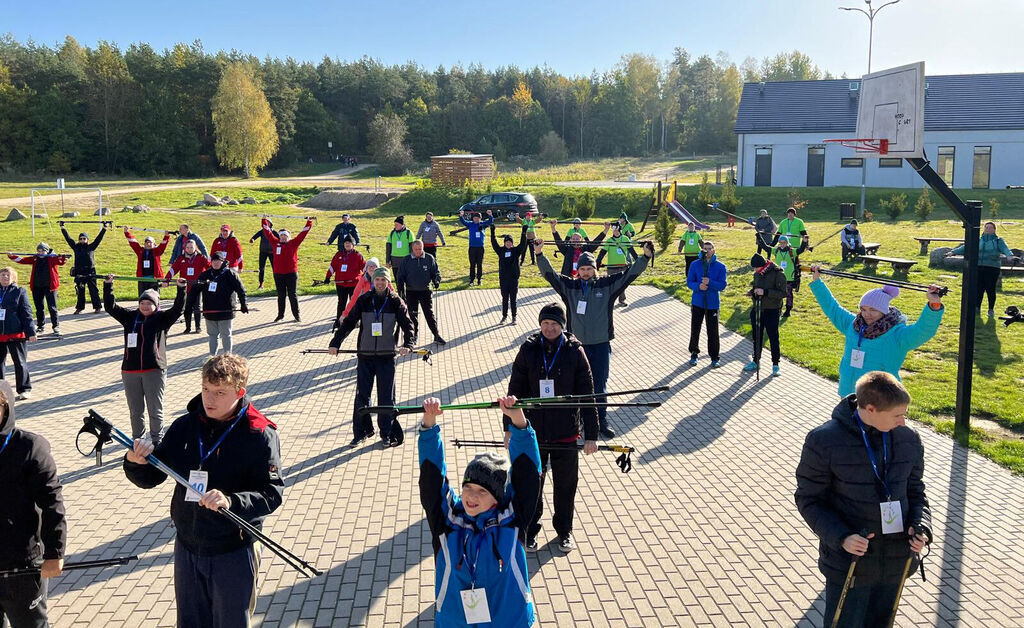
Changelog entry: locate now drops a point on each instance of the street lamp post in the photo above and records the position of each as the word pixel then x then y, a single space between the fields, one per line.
pixel 870 13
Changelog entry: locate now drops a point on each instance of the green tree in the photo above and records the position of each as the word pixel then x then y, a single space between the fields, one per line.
pixel 895 205
pixel 727 199
pixel 704 195
pixel 243 122
pixel 664 228
pixel 552 148
pixel 993 207
pixel 387 142
pixel 924 205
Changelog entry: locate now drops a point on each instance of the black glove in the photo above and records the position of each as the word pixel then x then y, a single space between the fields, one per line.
pixel 243 308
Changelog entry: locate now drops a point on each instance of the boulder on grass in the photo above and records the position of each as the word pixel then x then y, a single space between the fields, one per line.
pixel 265 202
pixel 103 211
pixel 248 200
pixel 141 209
pixel 211 200
pixel 231 202
pixel 70 215
pixel 15 215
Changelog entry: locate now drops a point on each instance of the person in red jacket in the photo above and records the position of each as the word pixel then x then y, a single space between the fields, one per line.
pixel 346 267
pixel 228 243
pixel 286 265
pixel 189 266
pixel 364 283
pixel 43 283
pixel 149 259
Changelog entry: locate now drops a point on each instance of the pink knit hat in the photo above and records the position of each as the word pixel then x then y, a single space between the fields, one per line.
pixel 879 298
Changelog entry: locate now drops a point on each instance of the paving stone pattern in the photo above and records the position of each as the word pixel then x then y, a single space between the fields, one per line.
pixel 703 531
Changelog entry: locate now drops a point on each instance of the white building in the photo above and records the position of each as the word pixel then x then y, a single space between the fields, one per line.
pixel 974 134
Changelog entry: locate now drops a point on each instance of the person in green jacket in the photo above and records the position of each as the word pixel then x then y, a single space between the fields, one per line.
pixel 397 246
pixel 690 245
pixel 530 222
pixel 792 227
pixel 620 255
pixel 577 227
pixel 788 260
pixel 990 250
pixel 627 227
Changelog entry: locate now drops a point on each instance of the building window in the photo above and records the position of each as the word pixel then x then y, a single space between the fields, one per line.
pixel 982 166
pixel 851 162
pixel 890 162
pixel 947 156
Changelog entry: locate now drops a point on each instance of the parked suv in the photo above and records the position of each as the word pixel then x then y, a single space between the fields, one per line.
pixel 506 204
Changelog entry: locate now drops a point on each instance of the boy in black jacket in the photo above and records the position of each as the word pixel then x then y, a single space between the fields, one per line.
pixel 34 530
pixel 216 285
pixel 861 473
pixel 552 363
pixel 378 312
pixel 229 448
pixel 510 257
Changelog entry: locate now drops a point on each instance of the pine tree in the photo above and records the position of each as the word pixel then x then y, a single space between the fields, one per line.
pixel 664 228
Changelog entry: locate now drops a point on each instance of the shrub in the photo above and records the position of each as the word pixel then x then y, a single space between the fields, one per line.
pixel 552 148
pixel 795 200
pixel 993 207
pixel 924 205
pixel 728 200
pixel 585 208
pixel 664 228
pixel 869 216
pixel 567 208
pixel 895 205
pixel 704 196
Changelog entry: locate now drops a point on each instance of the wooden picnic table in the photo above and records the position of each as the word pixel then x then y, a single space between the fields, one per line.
pixel 926 241
pixel 899 265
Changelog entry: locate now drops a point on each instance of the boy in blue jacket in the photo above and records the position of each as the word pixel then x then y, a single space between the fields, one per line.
pixel 481 577
pixel 475 227
pixel 706 279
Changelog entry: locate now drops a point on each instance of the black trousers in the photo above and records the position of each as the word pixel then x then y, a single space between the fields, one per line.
pixel 19 355
pixel 565 472
pixel 84 280
pixel 988 276
pixel 863 606
pixel 50 296
pixel 147 285
pixel 509 292
pixel 618 270
pixel 192 310
pixel 285 285
pixel 476 262
pixel 264 259
pixel 23 602
pixel 690 259
pixel 414 299
pixel 764 243
pixel 533 256
pixel 697 316
pixel 382 369
pixel 848 252
pixel 431 249
pixel 769 327
pixel 344 293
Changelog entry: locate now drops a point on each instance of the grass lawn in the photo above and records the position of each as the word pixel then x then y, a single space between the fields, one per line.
pixel 807 337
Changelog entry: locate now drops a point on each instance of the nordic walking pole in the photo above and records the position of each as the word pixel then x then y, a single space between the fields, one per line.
pixel 288 217
pixel 426 353
pixel 83 564
pixel 531 401
pixel 907 285
pixel 535 405
pixel 758 336
pixel 903 580
pixel 714 206
pixel 847 584
pixel 826 238
pixel 105 431
pixel 624 461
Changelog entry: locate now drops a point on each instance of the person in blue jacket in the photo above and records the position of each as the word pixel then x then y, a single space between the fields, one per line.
pixel 480 575
pixel 878 337
pixel 475 227
pixel 707 280
pixel 991 250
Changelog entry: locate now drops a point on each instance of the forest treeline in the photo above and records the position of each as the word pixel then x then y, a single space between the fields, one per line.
pixel 68 107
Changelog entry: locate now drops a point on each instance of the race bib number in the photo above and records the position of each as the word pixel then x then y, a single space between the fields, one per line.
pixel 783 265
pixel 344 268
pixel 3 314
pixel 474 605
pixel 145 263
pixel 399 244
pixel 213 287
pixel 132 341
pixel 892 517
pixel 857 359
pixel 547 388
pixel 198 480
pixel 508 253
pixel 581 307
pixel 190 271
pixel 574 266
pixel 691 241
pixel 278 251
pixel 621 252
pixel 376 329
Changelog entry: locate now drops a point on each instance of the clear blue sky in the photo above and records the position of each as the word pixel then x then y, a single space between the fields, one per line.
pixel 572 37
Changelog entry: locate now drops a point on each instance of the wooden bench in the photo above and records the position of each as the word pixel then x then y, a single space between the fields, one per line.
pixel 901 266
pixel 871 248
pixel 926 241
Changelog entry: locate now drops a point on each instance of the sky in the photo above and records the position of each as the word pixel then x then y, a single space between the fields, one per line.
pixel 571 37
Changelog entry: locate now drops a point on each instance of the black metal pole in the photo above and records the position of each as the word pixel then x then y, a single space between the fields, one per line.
pixel 970 214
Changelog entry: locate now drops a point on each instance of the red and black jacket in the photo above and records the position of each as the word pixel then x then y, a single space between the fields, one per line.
pixel 53 263
pixel 150 350
pixel 353 264
pixel 148 255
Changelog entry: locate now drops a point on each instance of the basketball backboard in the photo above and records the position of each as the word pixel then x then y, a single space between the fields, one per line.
pixel 891 107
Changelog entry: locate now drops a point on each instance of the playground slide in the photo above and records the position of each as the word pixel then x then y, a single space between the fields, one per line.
pixel 685 216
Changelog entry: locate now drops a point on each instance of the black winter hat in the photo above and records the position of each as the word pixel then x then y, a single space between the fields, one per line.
pixel 400 220
pixel 757 261
pixel 586 259
pixel 508 238
pixel 489 470
pixel 552 312
pixel 348 238
pixel 221 255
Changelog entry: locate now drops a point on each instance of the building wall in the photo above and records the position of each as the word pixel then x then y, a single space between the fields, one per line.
pixel 789 159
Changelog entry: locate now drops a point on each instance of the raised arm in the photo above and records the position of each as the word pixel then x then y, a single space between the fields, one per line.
pixel 67 238
pixel 840 317
pixel 302 234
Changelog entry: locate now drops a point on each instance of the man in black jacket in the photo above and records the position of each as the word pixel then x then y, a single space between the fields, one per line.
pixel 860 489
pixel 342 229
pixel 378 312
pixel 226 446
pixel 84 268
pixel 217 285
pixel 510 257
pixel 413 279
pixel 266 250
pixel 552 363
pixel 34 530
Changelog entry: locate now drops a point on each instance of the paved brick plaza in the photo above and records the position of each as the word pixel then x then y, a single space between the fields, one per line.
pixel 702 531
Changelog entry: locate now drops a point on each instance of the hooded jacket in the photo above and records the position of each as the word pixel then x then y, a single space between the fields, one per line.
pixel 571 373
pixel 286 255
pixel 17 323
pixel 508 258
pixel 148 264
pixel 838 494
pixel 773 282
pixel 32 525
pixel 346 267
pixel 884 353
pixel 215 289
pixel 765 227
pixel 989 249
pixel 50 271
pixel 150 350
pixel 418 273
pixel 369 308
pixel 714 270
pixel 232 248
pixel 492 540
pixel 571 254
pixel 85 259
pixel 476 230
pixel 179 245
pixel 596 325
pixel 851 238
pixel 246 467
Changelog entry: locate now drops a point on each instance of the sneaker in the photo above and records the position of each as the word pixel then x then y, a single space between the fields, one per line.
pixel 97 310
pixel 259 287
pixel 991 313
pixel 394 442
pixel 693 360
pixel 623 303
pixel 56 330
pixel 77 312
pixel 607 432
pixel 439 340
pixel 513 320
pixel 531 545
pixel 22 396
pixel 279 318
pixel 567 544
pixel 358 439
pixel 188 330
pixel 298 319
pixel 503 319
pixel 715 364
pixel 786 313
pixel 751 366
pixel 775 370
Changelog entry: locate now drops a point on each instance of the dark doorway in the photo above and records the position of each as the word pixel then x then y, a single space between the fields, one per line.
pixel 815 166
pixel 763 167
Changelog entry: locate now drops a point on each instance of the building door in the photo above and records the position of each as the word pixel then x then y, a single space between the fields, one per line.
pixel 815 166
pixel 763 167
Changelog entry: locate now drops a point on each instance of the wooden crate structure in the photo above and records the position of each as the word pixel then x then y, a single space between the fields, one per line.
pixel 455 170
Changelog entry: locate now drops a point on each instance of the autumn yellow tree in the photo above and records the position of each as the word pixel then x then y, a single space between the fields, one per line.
pixel 522 102
pixel 245 127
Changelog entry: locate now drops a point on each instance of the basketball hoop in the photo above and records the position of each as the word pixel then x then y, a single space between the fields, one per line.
pixel 880 146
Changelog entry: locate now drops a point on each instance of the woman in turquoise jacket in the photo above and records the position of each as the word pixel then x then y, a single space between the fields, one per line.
pixel 878 337
pixel 990 250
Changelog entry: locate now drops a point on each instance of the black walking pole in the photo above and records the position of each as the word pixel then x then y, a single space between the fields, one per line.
pixel 624 461
pixel 83 564
pixel 758 335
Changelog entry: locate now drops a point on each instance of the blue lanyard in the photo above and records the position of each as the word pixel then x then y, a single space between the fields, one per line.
pixel 584 287
pixel 471 565
pixel 3 293
pixel 7 440
pixel 871 456
pixel 377 312
pixel 135 325
pixel 548 367
pixel 860 337
pixel 203 453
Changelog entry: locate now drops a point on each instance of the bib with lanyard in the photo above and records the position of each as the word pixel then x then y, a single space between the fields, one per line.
pixel 857 355
pixel 890 509
pixel 377 326
pixel 132 340
pixel 3 311
pixel 6 440
pixel 199 479
pixel 474 600
pixel 547 385
pixel 581 305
